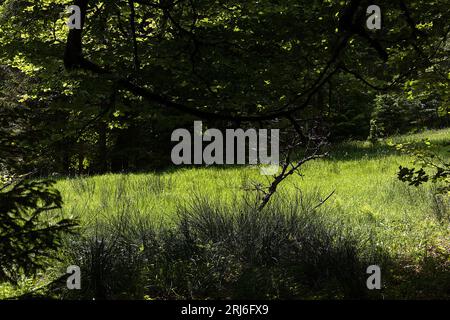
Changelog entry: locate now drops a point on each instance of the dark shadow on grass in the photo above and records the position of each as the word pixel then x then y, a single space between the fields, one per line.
pixel 212 251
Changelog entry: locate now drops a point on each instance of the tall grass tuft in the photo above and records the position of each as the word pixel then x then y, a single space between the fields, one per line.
pixel 211 250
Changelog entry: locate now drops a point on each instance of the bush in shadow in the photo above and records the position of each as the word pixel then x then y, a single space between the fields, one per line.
pixel 30 232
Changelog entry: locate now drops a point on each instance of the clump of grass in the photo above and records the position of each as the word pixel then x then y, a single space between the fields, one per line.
pixel 109 254
pixel 288 250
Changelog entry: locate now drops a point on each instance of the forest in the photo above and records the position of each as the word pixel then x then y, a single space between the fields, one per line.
pixel 135 139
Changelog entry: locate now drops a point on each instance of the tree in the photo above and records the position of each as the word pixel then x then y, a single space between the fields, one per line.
pixel 164 63
pixel 30 229
pixel 28 237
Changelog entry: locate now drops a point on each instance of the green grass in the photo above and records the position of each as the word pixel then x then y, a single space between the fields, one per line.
pixel 367 194
pixel 397 219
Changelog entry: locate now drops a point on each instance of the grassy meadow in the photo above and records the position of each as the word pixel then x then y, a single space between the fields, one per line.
pixel 367 193
pixel 370 216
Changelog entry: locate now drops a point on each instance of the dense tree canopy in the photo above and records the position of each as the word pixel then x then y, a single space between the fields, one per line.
pixel 141 68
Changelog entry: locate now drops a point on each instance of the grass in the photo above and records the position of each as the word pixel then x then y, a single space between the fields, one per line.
pixel 366 195
pixel 224 251
pixel 370 216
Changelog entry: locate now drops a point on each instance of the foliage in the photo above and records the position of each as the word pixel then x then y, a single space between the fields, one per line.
pixel 28 236
pixel 394 114
pixel 428 161
pixel 105 99
pixel 147 69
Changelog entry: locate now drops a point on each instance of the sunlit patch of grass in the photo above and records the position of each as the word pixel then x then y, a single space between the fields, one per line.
pixel 367 194
pixel 408 224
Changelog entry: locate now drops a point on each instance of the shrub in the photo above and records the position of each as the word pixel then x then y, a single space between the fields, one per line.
pixel 394 114
pixel 29 236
